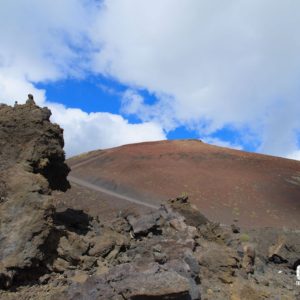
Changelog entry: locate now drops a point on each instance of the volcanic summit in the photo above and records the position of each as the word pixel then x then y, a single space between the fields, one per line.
pixel 226 185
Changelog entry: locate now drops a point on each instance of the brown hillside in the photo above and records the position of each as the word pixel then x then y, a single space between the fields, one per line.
pixel 225 184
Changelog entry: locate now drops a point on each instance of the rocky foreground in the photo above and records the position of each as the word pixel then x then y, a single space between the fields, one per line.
pixel 171 253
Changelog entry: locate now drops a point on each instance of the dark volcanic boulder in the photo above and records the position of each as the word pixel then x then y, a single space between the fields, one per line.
pixel 31 165
pixel 193 216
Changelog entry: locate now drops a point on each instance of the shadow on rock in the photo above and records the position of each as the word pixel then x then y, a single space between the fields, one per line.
pixel 73 220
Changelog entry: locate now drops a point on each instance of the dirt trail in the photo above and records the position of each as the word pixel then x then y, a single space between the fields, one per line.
pixel 109 192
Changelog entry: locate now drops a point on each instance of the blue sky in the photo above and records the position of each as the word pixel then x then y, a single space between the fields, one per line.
pixel 116 72
pixel 97 93
pixel 89 94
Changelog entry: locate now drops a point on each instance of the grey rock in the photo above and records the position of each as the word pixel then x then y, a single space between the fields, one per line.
pixel 165 285
pixel 145 224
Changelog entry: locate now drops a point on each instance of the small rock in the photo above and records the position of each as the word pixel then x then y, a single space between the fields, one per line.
pixel 87 262
pixel 113 254
pixel 44 279
pixel 192 262
pixel 285 250
pixel 123 258
pixel 144 224
pixel 102 268
pixel 103 244
pixel 226 277
pixel 30 100
pixel 72 247
pixel 190 243
pixel 178 224
pixel 60 265
pixel 161 258
pixel 235 228
pixel 277 259
pixel 157 248
pixel 192 232
pixel 248 259
pixel 80 277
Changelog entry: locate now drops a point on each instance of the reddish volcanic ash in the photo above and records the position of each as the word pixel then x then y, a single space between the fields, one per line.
pixel 226 185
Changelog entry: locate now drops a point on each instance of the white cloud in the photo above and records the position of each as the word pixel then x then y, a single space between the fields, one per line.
pixel 220 62
pixel 209 63
pixel 84 132
pixel 38 38
pixel 161 112
pixel 294 155
pixel 16 89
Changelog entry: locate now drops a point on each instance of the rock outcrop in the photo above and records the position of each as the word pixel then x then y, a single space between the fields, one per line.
pixel 172 253
pixel 31 165
pixel 29 139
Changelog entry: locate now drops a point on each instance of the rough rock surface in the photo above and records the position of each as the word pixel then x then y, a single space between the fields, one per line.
pixel 31 164
pixel 28 138
pixel 172 253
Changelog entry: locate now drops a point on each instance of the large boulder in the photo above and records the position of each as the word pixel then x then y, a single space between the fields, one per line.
pixel 128 282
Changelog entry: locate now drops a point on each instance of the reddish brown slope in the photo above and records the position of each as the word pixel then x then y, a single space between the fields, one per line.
pixel 224 184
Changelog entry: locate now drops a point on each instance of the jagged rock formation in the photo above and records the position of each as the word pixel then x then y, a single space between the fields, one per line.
pixel 28 138
pixel 31 165
pixel 172 253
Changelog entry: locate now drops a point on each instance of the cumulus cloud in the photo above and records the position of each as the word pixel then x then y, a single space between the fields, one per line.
pixel 16 88
pixel 210 64
pixel 84 132
pixel 133 104
pixel 219 62
pixel 39 38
